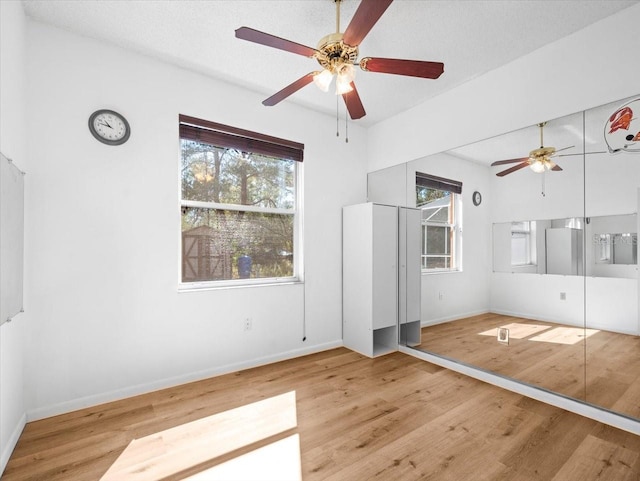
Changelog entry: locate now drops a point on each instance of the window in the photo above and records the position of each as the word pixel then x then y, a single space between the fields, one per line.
pixel 441 207
pixel 239 204
pixel 523 246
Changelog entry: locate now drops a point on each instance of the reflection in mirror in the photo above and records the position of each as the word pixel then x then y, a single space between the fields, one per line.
pixel 573 328
pixel 616 248
pixel 528 223
pixel 539 246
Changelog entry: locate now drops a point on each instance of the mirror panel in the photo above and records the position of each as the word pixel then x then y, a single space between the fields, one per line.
pixel 573 328
pixel 612 178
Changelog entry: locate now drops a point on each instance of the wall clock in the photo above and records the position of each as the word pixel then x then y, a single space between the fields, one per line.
pixel 109 127
pixel 477 198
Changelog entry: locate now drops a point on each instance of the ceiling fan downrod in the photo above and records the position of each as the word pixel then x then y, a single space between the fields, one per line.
pixel 541 125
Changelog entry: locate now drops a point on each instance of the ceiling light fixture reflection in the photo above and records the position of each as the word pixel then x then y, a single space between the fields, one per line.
pixel 541 164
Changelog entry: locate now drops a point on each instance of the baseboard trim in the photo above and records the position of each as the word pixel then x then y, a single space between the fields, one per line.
pixel 442 320
pixel 524 315
pixel 11 443
pixel 590 411
pixel 94 400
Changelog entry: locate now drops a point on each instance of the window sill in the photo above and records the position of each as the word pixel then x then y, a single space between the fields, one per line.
pixel 223 285
pixel 440 271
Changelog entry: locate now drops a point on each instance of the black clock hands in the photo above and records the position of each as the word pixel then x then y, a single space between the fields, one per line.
pixel 109 127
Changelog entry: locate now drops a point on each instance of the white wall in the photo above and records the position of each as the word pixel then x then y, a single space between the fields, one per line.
pixel 580 71
pixel 104 228
pixel 13 144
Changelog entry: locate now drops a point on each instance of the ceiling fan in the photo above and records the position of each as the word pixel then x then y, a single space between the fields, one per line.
pixel 539 159
pixel 337 54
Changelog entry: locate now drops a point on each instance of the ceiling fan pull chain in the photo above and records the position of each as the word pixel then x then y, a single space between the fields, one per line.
pixel 543 194
pixel 337 117
pixel 346 128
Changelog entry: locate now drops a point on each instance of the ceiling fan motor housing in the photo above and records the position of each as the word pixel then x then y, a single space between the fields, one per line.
pixel 542 153
pixel 335 53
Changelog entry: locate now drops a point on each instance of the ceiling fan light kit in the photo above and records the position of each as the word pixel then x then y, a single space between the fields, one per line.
pixel 539 160
pixel 337 54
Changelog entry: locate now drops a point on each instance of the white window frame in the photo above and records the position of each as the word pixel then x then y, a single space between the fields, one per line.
pixel 295 211
pixel 454 226
pixel 525 230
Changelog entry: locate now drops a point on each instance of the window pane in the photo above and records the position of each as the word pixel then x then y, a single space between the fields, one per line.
pixel 440 215
pixel 519 249
pixel 228 176
pixel 438 240
pixel 222 245
pixel 440 222
pixel 438 263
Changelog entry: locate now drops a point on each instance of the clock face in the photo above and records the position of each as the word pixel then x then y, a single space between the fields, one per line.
pixel 477 198
pixel 109 127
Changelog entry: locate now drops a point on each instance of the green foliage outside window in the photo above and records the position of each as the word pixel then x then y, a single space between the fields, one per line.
pixel 218 235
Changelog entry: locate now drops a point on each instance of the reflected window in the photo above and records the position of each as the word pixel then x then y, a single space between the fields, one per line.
pixel 603 248
pixel 616 248
pixel 523 246
pixel 440 202
pixel 239 204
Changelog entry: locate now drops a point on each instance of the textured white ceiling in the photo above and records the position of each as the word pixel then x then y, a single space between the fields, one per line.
pixel 471 37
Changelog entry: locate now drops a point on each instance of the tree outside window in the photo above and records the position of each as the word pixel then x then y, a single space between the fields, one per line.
pixel 239 213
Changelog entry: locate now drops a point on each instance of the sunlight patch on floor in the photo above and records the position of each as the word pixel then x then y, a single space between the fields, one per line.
pixel 278 461
pixel 517 330
pixel 565 335
pixel 175 450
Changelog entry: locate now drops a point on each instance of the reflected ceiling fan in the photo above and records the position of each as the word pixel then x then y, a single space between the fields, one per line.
pixel 337 53
pixel 539 159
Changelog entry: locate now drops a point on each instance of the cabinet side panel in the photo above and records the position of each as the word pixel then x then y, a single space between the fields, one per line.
pixel 413 269
pixel 402 265
pixel 357 253
pixel 385 261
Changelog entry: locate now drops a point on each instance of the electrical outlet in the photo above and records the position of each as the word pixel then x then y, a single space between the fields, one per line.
pixel 247 324
pixel 563 296
pixel 440 296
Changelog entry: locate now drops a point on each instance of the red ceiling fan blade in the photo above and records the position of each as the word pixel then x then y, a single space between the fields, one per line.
pixel 246 33
pixel 412 68
pixel 289 89
pixel 354 104
pixel 366 16
pixel 513 169
pixel 509 161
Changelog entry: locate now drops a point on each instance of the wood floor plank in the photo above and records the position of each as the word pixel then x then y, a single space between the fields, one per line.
pixel 599 459
pixel 602 368
pixel 394 417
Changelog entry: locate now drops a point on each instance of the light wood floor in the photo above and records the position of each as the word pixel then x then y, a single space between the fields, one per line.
pixel 610 378
pixel 389 418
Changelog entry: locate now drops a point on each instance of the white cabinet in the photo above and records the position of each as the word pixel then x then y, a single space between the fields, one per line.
pixel 371 270
pixel 409 275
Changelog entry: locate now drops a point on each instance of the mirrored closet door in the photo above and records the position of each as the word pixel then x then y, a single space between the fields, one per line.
pixel 530 270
